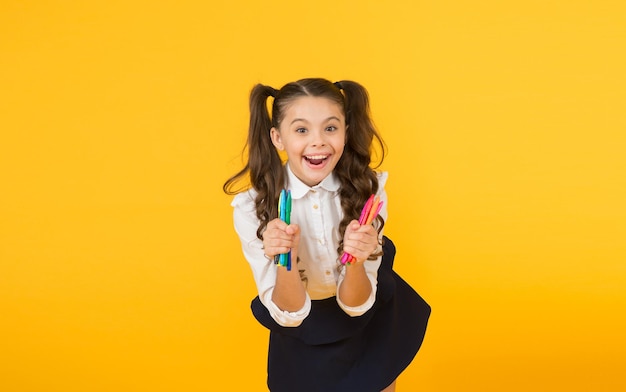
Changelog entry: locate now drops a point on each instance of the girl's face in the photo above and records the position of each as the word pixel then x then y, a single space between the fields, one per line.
pixel 313 134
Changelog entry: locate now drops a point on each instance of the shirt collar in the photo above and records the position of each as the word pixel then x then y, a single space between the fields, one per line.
pixel 299 189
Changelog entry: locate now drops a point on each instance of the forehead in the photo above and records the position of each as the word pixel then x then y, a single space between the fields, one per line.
pixel 312 109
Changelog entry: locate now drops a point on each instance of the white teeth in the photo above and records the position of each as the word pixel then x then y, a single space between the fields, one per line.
pixel 316 156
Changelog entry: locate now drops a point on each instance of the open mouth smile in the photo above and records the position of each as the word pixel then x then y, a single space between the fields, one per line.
pixel 315 160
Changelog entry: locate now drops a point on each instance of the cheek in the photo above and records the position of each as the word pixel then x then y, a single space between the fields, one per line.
pixel 340 144
pixel 293 149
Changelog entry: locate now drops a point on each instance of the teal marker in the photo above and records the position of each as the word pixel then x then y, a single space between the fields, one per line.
pixel 280 207
pixel 288 221
pixel 282 211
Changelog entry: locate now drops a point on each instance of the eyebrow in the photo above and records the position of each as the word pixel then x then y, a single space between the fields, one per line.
pixel 304 120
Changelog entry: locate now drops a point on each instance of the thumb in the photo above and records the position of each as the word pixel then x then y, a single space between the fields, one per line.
pixel 292 229
pixel 354 225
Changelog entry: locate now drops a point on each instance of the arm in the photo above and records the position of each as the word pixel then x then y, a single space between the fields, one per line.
pixel 357 298
pixel 289 293
pixel 265 272
pixel 361 242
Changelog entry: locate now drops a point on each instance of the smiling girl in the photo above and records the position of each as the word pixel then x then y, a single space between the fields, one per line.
pixel 333 326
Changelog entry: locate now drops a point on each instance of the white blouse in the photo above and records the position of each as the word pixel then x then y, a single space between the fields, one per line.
pixel 317 210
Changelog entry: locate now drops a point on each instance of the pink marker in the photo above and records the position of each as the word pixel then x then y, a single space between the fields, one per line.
pixel 378 208
pixel 366 213
pixel 366 210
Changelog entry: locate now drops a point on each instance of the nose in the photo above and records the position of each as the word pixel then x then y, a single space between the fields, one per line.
pixel 318 138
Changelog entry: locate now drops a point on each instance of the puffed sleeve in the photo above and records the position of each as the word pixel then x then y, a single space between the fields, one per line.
pixel 371 266
pixel 263 270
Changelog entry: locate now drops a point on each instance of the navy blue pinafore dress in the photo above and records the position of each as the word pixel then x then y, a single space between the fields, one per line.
pixel 331 351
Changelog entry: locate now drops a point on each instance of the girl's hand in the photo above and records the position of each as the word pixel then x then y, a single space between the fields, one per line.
pixel 280 238
pixel 360 241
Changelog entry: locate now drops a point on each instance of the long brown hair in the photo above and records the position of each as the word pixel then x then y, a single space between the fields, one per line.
pixel 265 168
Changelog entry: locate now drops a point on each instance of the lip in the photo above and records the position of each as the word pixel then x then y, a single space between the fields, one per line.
pixel 324 157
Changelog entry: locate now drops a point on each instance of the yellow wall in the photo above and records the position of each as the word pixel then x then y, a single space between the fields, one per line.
pixel 505 121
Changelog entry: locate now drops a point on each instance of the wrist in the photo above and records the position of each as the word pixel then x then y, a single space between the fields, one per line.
pixel 355 266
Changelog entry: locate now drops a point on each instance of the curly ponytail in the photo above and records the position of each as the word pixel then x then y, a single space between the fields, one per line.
pixel 358 179
pixel 264 165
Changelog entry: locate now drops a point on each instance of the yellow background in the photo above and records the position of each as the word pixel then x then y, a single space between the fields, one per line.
pixel 505 121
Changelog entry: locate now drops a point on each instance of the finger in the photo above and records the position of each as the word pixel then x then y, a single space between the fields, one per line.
pixel 277 224
pixel 361 243
pixel 365 236
pixel 277 248
pixel 277 241
pixel 283 240
pixel 366 229
pixel 270 253
pixel 292 229
pixel 353 226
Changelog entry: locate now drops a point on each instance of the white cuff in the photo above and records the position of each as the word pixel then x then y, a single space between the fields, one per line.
pixel 283 317
pixel 354 311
